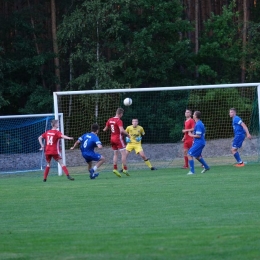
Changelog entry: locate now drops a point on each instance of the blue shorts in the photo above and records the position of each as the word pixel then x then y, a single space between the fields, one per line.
pixel 89 157
pixel 196 150
pixel 238 141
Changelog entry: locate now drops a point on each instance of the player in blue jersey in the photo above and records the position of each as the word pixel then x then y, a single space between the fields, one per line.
pixel 240 132
pixel 88 142
pixel 198 144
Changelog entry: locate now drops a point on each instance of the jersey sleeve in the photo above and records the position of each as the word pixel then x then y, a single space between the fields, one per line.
pixel 98 142
pixel 142 132
pixel 81 138
pixel 238 120
pixel 127 129
pixel 198 130
pixel 59 134
pixel 119 123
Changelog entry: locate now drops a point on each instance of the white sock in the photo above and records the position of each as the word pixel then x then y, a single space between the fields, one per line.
pixel 95 168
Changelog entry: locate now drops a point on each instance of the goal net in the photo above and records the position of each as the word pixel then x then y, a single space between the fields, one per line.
pixel 19 146
pixel 160 112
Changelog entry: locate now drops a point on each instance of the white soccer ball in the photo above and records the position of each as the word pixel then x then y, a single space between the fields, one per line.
pixel 127 101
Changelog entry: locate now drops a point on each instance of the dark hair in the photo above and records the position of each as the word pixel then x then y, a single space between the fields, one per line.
pixel 233 109
pixel 197 114
pixel 95 128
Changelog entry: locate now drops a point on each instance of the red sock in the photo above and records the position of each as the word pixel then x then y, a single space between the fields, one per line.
pixel 186 161
pixel 46 172
pixel 64 168
pixel 115 166
pixel 125 167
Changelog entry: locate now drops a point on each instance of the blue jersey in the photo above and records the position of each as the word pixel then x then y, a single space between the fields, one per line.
pixel 88 142
pixel 236 123
pixel 199 129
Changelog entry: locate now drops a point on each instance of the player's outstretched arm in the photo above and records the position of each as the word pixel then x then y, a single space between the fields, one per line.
pixel 247 131
pixel 105 129
pixel 67 137
pixel 123 131
pixel 76 143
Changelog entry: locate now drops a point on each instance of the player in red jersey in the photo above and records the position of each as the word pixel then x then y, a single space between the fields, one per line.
pixel 187 140
pixel 117 141
pixel 52 140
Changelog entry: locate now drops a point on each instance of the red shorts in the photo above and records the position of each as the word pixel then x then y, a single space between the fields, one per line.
pixel 117 143
pixel 56 157
pixel 187 144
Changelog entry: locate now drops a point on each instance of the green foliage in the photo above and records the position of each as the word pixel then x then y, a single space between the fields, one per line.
pixel 220 52
pixel 253 52
pixel 133 44
pixel 22 66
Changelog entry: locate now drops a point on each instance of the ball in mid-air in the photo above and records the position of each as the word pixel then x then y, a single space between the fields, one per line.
pixel 127 101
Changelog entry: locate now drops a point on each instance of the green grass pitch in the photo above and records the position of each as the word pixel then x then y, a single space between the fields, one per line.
pixel 162 214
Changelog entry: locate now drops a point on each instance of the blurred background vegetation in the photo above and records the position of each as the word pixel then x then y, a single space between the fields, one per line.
pixel 58 45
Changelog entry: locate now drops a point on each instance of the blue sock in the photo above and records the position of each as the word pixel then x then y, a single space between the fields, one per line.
pixel 237 156
pixel 202 161
pixel 191 163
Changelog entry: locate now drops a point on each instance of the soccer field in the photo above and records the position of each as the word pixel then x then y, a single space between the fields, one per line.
pixel 162 214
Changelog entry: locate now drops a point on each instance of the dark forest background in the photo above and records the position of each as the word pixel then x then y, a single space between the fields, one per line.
pixel 58 45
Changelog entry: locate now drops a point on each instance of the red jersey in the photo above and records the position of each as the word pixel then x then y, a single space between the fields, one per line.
pixel 114 123
pixel 188 124
pixel 52 141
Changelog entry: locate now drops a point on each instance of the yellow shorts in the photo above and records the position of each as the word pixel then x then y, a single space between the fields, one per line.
pixel 137 147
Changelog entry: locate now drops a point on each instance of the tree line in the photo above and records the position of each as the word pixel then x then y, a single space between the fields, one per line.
pixel 58 45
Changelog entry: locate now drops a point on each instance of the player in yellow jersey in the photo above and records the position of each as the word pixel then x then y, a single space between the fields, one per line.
pixel 134 142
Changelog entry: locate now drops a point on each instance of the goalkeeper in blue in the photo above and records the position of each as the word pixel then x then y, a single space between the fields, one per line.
pixel 136 132
pixel 198 144
pixel 240 131
pixel 88 142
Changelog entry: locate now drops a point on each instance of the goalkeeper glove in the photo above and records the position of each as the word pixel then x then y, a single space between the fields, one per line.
pixel 138 139
pixel 127 139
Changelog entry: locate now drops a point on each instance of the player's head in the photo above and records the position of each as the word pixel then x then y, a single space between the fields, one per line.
pixel 188 113
pixel 119 112
pixel 55 123
pixel 232 112
pixel 95 128
pixel 196 115
pixel 134 122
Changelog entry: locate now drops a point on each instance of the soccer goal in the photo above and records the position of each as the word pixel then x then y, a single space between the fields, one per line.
pixel 19 146
pixel 161 111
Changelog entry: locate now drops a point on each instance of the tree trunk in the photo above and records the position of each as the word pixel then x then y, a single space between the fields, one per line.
pixel 243 65
pixel 196 30
pixel 36 45
pixel 55 44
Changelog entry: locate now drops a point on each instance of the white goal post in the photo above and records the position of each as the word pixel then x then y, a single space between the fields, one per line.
pixel 199 97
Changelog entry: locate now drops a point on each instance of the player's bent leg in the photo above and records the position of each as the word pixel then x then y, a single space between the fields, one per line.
pixel 203 162
pixel 65 170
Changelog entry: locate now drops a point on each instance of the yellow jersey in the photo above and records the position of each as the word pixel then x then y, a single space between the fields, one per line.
pixel 135 132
